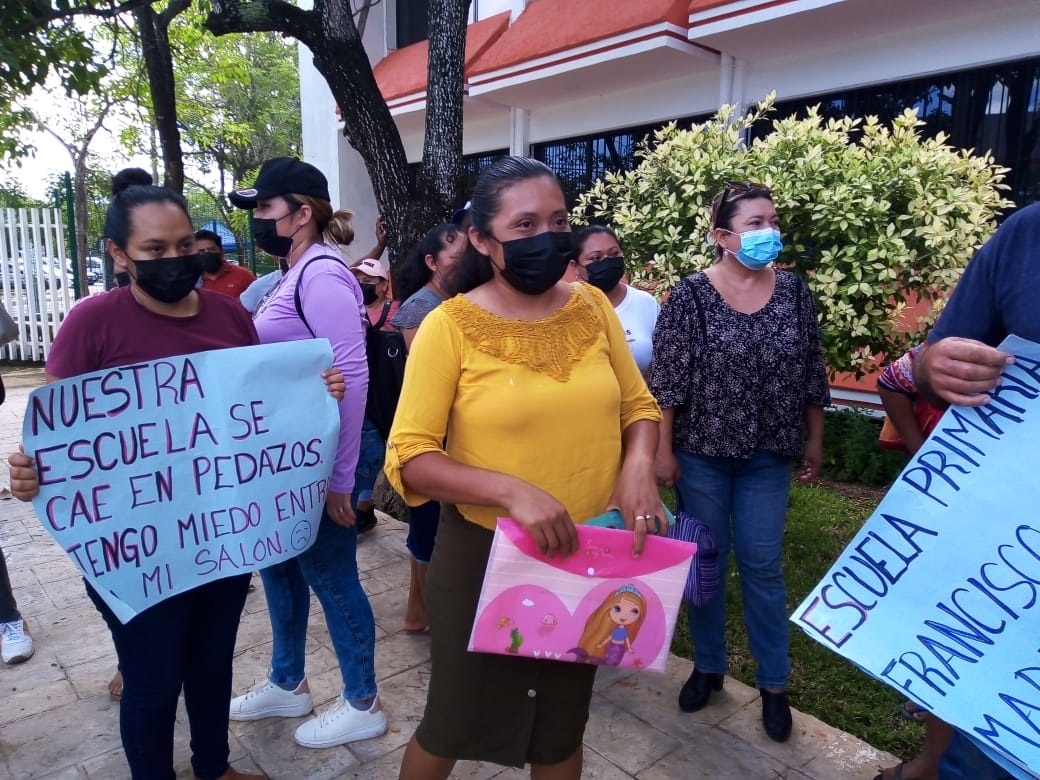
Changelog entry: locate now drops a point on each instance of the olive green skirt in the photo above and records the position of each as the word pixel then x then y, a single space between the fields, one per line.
pixel 484 707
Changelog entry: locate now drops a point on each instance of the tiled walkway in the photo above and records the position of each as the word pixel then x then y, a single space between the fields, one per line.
pixel 56 721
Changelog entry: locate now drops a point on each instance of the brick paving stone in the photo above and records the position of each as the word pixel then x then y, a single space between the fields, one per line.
pixel 57 723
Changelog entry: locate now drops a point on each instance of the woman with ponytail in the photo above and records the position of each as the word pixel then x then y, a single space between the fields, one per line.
pixel 187 641
pixel 317 297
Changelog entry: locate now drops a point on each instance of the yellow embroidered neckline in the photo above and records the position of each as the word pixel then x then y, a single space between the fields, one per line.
pixel 552 345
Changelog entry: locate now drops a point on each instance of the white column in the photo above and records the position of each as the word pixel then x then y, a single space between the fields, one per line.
pixel 725 78
pixel 515 9
pixel 519 131
pixel 737 89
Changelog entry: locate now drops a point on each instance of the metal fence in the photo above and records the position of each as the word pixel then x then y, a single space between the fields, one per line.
pixel 35 279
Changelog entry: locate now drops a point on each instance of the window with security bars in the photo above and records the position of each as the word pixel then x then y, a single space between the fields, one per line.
pixel 579 162
pixel 995 108
pixel 470 167
pixel 412 22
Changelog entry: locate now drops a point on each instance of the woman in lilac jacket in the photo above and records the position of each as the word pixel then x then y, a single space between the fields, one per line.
pixel 317 297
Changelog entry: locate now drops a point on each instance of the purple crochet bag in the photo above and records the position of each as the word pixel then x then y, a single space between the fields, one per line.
pixel 702 584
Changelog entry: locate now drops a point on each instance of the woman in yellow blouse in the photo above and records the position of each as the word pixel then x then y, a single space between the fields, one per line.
pixel 521 399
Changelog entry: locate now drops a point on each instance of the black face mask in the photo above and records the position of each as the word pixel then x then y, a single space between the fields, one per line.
pixel 210 262
pixel 265 234
pixel 534 264
pixel 368 291
pixel 168 279
pixel 606 272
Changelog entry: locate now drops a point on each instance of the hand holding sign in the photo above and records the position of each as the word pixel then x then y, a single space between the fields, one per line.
pixel 160 476
pixel 938 595
pixel 960 371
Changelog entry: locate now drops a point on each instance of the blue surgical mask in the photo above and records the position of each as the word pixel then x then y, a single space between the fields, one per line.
pixel 758 248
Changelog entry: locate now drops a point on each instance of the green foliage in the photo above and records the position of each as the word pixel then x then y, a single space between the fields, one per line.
pixel 238 96
pixel 41 41
pixel 851 451
pixel 13 196
pixel 872 215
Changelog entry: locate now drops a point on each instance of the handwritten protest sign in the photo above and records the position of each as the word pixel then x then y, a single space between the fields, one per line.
pixel 161 476
pixel 937 595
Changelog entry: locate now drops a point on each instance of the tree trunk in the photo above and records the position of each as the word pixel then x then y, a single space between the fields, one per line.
pixel 442 145
pixel 80 197
pixel 367 124
pixel 332 36
pixel 155 49
pixel 82 215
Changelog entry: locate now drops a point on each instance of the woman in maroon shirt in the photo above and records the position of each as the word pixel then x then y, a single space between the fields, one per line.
pixel 186 641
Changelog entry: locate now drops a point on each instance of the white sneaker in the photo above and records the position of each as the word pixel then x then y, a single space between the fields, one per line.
pixel 340 724
pixel 16 643
pixel 267 700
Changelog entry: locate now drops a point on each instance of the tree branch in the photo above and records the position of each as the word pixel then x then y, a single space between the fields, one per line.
pixel 66 144
pixel 218 198
pixel 243 16
pixel 113 9
pixel 172 11
pixel 360 10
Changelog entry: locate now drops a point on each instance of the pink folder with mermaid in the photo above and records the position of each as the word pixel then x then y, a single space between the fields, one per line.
pixel 598 605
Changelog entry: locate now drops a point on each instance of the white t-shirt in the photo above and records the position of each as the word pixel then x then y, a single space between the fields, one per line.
pixel 638 314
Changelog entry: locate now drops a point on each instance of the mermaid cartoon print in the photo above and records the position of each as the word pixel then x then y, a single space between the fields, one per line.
pixel 612 628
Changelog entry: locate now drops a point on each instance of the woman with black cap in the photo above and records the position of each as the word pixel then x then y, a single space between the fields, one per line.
pixel 316 297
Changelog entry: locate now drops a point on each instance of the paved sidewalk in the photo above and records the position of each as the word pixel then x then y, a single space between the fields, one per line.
pixel 56 721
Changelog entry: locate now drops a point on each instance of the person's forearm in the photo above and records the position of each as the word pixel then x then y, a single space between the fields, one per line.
pixel 923 378
pixel 639 441
pixel 900 410
pixel 375 252
pixel 408 334
pixel 441 478
pixel 664 442
pixel 814 425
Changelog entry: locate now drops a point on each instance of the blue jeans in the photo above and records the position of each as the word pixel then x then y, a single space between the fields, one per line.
pixel 8 606
pixel 423 522
pixel 744 502
pixel 186 641
pixel 329 566
pixel 963 761
pixel 370 461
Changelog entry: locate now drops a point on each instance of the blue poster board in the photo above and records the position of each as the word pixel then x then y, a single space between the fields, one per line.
pixel 158 477
pixel 938 595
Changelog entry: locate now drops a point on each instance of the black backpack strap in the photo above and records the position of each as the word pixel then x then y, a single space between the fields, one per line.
pixel 296 290
pixel 383 316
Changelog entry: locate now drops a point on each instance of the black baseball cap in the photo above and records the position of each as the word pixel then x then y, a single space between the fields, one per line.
pixel 282 176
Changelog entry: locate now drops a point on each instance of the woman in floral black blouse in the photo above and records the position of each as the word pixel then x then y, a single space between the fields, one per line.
pixel 738 371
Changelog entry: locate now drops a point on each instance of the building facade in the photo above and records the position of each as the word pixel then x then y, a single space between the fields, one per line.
pixel 578 83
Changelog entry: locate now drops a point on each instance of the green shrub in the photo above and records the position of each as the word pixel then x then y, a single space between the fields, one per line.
pixel 872 215
pixel 851 452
